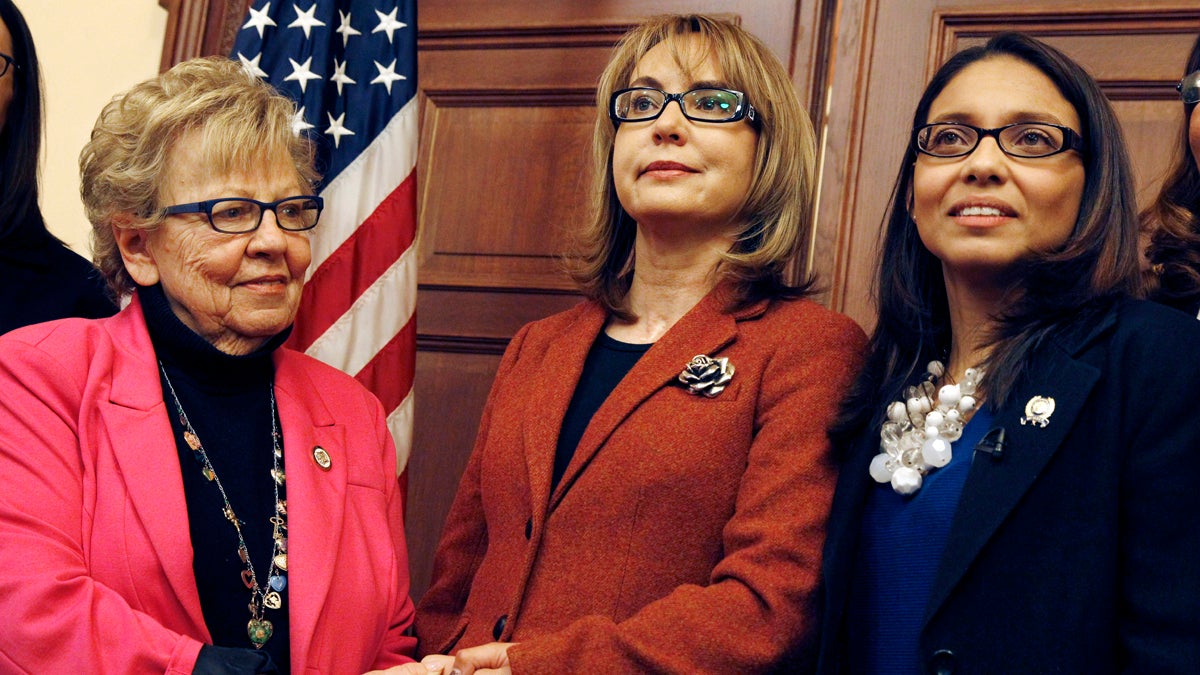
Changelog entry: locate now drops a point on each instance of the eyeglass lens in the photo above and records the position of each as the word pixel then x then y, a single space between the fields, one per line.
pixel 236 215
pixel 1021 140
pixel 701 104
pixel 1189 88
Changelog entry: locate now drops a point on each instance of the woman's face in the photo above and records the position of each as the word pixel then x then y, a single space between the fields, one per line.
pixel 235 290
pixel 673 171
pixel 981 213
pixel 6 82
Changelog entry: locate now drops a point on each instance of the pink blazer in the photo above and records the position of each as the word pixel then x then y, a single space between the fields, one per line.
pixel 95 553
pixel 685 536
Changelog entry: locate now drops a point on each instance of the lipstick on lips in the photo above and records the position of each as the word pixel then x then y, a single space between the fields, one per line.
pixel 982 212
pixel 672 168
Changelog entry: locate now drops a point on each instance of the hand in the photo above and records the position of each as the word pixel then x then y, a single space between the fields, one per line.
pixel 489 659
pixel 421 668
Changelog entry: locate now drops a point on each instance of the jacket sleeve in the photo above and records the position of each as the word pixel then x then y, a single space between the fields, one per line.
pixel 1159 498
pixel 55 617
pixel 398 646
pixel 460 551
pixel 757 609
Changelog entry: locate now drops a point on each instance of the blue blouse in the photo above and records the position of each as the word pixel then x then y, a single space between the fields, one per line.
pixel 900 548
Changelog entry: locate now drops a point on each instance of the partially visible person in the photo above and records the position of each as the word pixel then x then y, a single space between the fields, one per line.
pixel 179 493
pixel 1017 491
pixel 651 479
pixel 41 277
pixel 1174 218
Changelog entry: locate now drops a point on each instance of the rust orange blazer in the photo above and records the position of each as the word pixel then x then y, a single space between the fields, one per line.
pixel 685 536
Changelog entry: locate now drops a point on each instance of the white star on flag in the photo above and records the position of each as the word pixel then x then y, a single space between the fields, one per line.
pixel 299 124
pixel 306 19
pixel 387 75
pixel 345 28
pixel 388 23
pixel 259 19
pixel 337 129
pixel 340 77
pixel 251 65
pixel 301 73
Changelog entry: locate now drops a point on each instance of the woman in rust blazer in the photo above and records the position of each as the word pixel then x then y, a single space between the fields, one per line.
pixel 651 479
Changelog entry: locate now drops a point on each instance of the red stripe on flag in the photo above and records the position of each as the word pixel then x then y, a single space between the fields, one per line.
pixel 350 270
pixel 389 375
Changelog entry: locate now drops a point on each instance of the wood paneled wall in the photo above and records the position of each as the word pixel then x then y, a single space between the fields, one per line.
pixel 503 172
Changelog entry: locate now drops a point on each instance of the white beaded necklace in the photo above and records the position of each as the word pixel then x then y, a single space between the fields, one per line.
pixel 918 432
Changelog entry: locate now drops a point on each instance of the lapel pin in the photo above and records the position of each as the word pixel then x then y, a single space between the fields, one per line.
pixel 707 376
pixel 321 458
pixel 1038 411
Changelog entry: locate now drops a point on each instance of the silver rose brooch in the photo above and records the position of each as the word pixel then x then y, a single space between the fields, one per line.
pixel 708 376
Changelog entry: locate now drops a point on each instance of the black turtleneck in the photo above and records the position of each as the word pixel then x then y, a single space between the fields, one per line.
pixel 227 400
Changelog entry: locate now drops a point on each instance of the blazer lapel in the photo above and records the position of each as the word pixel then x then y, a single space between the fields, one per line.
pixel 995 486
pixel 548 402
pixel 841 537
pixel 316 499
pixel 706 329
pixel 143 444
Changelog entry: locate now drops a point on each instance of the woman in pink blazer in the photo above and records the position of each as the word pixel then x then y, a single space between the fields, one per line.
pixel 178 492
pixel 651 478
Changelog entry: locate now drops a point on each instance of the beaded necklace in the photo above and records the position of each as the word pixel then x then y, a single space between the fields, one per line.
pixel 267 596
pixel 915 439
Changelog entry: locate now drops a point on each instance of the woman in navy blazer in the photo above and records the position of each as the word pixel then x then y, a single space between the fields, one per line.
pixel 1020 455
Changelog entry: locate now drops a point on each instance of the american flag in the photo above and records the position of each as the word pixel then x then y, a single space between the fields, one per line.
pixel 351 66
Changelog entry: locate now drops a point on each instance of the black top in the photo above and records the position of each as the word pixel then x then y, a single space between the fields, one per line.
pixel 44 280
pixel 227 400
pixel 607 363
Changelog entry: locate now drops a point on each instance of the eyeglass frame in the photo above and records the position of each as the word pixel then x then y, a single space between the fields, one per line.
pixel 1184 87
pixel 206 207
pixel 1072 140
pixel 9 63
pixel 745 109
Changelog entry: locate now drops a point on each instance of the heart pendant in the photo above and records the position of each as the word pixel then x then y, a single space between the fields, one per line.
pixel 259 631
pixel 281 561
pixel 246 579
pixel 272 600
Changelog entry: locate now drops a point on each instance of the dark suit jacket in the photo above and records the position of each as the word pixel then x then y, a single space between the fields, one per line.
pixel 1077 550
pixel 685 535
pixel 44 280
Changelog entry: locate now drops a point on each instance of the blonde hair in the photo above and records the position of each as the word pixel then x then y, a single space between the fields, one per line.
pixel 243 122
pixel 776 217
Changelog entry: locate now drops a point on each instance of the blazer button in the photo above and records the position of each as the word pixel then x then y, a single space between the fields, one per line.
pixel 942 662
pixel 528 529
pixel 498 629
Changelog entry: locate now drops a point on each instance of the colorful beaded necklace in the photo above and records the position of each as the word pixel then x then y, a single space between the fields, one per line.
pixel 258 629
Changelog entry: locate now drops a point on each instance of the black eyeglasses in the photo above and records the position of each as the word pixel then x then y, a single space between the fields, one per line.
pixel 240 215
pixel 1189 88
pixel 642 104
pixel 1023 139
pixel 8 61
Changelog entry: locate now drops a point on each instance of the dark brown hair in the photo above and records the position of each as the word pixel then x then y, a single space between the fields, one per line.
pixel 1174 219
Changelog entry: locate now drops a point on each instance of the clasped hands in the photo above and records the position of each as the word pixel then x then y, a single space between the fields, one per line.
pixel 489 659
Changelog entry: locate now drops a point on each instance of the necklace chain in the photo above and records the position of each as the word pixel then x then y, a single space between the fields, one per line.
pixel 266 596
pixel 915 439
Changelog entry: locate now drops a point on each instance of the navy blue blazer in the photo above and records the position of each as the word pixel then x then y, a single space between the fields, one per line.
pixel 1078 549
